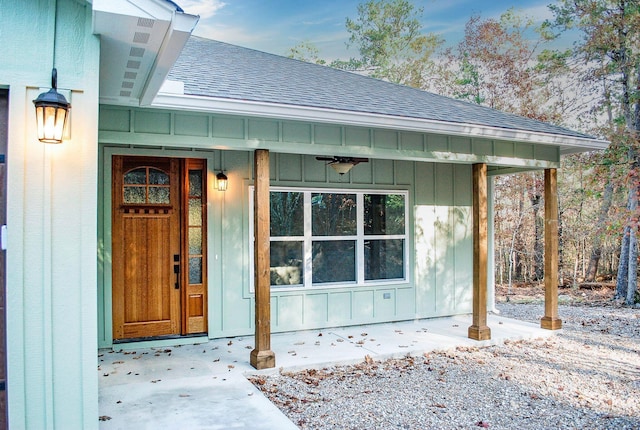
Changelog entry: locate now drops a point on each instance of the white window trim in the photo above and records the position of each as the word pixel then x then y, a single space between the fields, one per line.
pixel 307 240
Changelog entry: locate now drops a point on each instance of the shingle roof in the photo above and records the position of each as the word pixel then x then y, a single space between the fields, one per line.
pixel 215 69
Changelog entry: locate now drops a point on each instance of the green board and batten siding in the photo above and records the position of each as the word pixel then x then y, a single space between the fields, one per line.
pixel 51 218
pixel 434 169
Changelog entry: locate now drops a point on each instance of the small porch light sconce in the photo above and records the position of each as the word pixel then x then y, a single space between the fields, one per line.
pixel 52 111
pixel 222 181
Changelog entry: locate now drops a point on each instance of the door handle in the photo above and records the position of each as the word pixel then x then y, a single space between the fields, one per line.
pixel 176 270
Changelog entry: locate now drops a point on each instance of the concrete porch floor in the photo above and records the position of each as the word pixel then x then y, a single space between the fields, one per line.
pixel 204 386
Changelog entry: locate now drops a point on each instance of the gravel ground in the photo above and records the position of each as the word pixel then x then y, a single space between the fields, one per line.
pixel 587 377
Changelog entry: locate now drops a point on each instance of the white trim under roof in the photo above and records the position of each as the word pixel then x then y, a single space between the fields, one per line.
pixel 567 144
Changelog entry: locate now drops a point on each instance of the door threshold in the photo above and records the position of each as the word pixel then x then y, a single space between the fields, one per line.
pixel 160 341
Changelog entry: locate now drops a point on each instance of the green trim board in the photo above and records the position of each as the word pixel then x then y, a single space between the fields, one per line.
pixel 133 126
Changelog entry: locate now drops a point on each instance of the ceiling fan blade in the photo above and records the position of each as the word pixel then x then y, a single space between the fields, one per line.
pixel 359 160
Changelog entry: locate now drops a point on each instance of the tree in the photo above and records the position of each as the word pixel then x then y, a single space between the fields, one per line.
pixel 391 45
pixel 501 66
pixel 306 51
pixel 609 49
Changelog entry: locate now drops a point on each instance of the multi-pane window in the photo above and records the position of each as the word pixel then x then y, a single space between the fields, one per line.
pixel 146 185
pixel 332 238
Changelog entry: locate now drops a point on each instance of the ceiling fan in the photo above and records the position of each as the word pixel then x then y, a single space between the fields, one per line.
pixel 342 165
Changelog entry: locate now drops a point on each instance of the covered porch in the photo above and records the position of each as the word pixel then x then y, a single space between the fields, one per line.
pixel 263 357
pixel 205 386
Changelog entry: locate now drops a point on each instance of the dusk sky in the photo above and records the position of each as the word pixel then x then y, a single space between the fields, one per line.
pixel 276 25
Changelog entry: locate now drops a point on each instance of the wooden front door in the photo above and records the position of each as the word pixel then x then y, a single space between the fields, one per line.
pixel 159 271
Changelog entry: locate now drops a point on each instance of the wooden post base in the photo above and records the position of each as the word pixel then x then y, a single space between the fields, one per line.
pixel 479 332
pixel 263 359
pixel 551 323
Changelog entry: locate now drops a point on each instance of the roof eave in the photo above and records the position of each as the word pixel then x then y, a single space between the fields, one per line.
pixel 567 144
pixel 143 37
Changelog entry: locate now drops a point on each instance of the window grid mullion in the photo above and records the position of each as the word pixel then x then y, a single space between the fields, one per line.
pixel 308 241
pixel 360 239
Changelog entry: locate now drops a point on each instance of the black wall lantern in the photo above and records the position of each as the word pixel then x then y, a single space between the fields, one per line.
pixel 52 111
pixel 222 181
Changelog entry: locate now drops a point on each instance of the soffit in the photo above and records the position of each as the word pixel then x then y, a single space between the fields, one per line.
pixel 139 42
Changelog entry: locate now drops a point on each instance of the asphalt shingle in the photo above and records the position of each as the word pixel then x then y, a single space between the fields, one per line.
pixel 220 70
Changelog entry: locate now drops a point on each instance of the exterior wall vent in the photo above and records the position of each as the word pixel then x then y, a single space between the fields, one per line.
pixel 145 22
pixel 141 37
pixel 136 52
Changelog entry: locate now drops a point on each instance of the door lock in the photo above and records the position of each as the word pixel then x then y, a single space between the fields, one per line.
pixel 176 270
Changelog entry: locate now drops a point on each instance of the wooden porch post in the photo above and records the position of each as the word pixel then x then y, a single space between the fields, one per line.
pixel 551 321
pixel 262 357
pixel 479 329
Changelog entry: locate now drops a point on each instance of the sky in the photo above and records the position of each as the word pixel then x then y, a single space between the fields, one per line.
pixel 275 26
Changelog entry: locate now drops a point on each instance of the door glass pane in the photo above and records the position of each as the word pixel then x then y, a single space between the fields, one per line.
pixel 195 240
pixel 287 213
pixel 135 195
pixel 334 261
pixel 158 177
pixel 333 214
pixel 384 259
pixel 383 214
pixel 195 212
pixel 286 263
pixel 195 270
pixel 195 183
pixel 136 176
pixel 159 195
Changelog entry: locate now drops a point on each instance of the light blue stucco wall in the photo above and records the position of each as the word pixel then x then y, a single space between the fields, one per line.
pixel 439 251
pixel 51 265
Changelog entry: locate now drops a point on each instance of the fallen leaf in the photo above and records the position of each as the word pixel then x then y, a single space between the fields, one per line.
pixel 482 424
pixel 156 381
pixel 230 343
pixel 118 362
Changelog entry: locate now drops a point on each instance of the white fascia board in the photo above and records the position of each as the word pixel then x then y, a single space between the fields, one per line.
pixel 568 144
pixel 153 9
pixel 178 34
